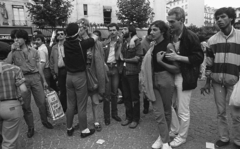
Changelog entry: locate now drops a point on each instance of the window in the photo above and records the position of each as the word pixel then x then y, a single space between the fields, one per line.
pixel 182 7
pixel 85 9
pixel 186 21
pixel 18 15
pixel 185 6
pixel 186 0
pixel 239 15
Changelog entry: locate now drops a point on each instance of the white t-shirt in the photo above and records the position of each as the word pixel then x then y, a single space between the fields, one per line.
pixel 111 56
pixel 60 56
pixel 43 53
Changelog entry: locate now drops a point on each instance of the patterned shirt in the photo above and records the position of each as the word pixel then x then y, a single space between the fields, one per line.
pixel 11 77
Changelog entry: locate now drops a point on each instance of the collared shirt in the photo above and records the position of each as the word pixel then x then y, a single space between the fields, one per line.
pixel 60 56
pixel 111 56
pixel 43 53
pixel 27 60
pixel 11 77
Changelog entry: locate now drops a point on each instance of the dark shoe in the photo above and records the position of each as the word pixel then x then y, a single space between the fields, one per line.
pixel 133 125
pixel 70 132
pixel 145 111
pixel 117 118
pixel 220 143
pixel 98 127
pixel 120 101
pixel 126 122
pixel 237 146
pixel 30 132
pixel 84 135
pixel 47 125
pixel 107 122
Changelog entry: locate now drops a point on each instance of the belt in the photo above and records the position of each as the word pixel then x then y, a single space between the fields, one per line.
pixel 30 73
pixel 112 64
pixel 8 99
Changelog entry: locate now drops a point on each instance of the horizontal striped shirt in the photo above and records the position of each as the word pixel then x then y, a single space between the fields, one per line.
pixel 223 57
pixel 11 77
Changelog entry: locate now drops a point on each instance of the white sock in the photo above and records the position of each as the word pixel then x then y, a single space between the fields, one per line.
pixel 96 123
pixel 86 130
pixel 69 128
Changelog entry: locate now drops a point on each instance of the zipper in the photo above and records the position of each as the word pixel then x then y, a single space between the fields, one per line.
pixel 225 53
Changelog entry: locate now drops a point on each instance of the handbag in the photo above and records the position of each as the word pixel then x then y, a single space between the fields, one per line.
pixel 234 98
pixel 92 81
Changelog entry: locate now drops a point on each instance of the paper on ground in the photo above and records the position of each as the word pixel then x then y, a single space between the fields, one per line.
pixel 210 145
pixel 100 141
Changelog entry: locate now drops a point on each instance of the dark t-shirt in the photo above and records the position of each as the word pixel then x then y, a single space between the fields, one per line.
pixel 162 46
pixel 74 60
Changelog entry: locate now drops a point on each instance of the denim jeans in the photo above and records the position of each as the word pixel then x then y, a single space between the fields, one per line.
pixel 163 84
pixel 34 86
pixel 77 97
pixel 222 96
pixel 111 93
pixel 62 76
pixel 131 92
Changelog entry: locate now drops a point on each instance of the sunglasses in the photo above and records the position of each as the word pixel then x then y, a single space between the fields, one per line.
pixel 112 30
pixel 60 34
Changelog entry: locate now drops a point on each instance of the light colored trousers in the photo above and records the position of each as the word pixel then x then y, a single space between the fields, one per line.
pixel 181 100
pixel 222 95
pixel 11 115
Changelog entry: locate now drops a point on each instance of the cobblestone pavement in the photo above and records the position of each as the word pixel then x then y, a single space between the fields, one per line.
pixel 203 128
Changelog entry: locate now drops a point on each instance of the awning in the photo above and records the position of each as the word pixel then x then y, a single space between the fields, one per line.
pixel 107 8
pixel 6 31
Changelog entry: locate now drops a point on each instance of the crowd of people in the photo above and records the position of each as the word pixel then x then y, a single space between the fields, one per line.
pixel 164 67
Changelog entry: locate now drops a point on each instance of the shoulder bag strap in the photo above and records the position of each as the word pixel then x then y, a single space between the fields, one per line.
pixel 1 70
pixel 82 52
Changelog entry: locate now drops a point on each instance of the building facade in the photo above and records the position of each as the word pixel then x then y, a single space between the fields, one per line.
pixel 13 15
pixel 96 11
pixel 209 16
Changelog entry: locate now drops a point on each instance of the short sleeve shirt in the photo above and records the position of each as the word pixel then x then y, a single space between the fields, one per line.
pixel 43 53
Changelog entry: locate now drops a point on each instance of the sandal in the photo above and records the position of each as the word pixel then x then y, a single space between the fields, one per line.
pixel 97 127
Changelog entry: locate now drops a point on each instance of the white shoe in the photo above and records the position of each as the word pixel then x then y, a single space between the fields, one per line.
pixel 177 141
pixel 157 144
pixel 166 146
pixel 172 134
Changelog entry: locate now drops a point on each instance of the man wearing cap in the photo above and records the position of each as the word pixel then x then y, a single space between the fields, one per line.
pixel 75 52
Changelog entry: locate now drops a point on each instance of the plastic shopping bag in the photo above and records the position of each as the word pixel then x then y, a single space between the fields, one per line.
pixel 235 97
pixel 54 107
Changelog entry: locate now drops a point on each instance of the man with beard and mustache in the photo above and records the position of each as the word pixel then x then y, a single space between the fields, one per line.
pixel 131 57
pixel 188 53
pixel 222 72
pixel 112 48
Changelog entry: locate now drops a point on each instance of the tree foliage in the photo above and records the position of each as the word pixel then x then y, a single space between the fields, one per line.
pixel 49 12
pixel 134 12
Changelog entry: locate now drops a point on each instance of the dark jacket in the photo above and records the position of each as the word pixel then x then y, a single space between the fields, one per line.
pixel 74 61
pixel 106 48
pixel 190 47
pixel 4 50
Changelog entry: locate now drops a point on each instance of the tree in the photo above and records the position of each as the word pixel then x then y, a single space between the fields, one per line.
pixel 49 12
pixel 134 12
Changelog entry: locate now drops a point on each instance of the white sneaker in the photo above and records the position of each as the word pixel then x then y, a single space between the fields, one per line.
pixel 158 143
pixel 177 141
pixel 166 146
pixel 172 134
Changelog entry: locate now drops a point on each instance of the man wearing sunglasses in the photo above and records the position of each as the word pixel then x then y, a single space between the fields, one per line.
pixel 58 68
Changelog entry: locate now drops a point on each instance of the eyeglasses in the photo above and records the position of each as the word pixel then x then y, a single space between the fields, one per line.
pixel 60 34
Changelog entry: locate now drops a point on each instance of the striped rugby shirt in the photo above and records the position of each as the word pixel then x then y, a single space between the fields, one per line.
pixel 223 57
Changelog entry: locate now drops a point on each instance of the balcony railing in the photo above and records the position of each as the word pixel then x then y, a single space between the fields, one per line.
pixel 19 22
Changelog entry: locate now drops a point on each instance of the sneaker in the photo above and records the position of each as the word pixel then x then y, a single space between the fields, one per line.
pixel 172 134
pixel 220 143
pixel 177 141
pixel 166 146
pixel 158 143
